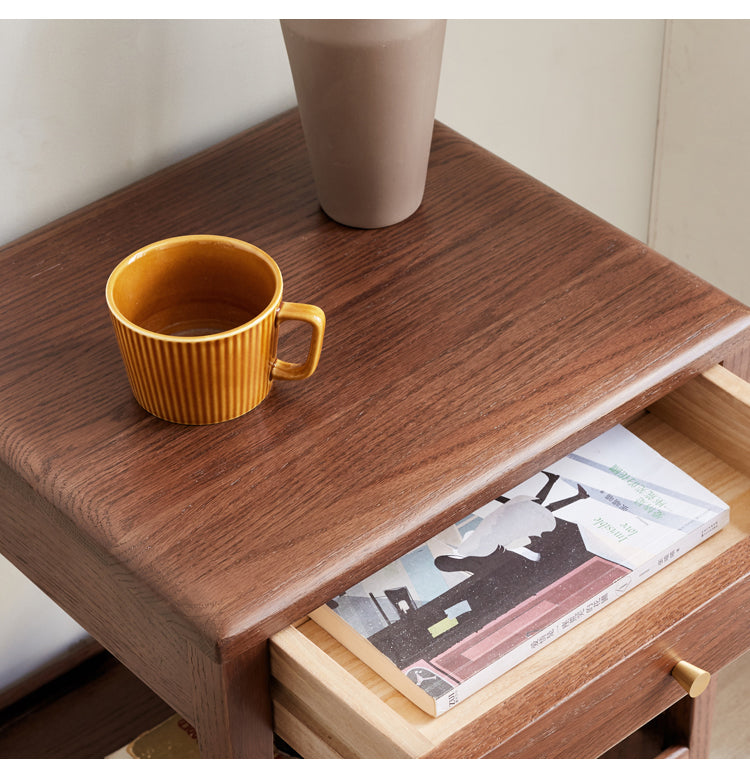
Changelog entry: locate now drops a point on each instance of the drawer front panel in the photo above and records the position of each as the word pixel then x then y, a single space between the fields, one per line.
pixel 640 687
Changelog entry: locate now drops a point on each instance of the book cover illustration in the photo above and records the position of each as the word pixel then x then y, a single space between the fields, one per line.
pixel 481 596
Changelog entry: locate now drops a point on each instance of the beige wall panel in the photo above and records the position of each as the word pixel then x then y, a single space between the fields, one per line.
pixel 701 199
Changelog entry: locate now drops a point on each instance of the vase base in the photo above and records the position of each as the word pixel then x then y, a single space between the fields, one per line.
pixel 371 221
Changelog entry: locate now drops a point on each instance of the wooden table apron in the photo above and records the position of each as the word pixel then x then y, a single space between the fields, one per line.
pixel 466 347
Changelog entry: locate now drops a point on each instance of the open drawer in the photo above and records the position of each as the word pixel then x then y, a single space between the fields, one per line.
pixel 596 684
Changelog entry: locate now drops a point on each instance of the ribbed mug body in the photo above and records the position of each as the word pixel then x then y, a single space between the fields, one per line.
pixel 202 380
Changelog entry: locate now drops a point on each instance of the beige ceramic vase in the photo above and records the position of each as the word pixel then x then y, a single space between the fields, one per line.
pixel 367 91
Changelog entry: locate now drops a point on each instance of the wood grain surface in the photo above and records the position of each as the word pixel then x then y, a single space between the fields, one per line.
pixel 491 332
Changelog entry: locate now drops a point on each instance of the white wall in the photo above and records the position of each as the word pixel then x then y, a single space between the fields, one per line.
pixel 573 103
pixel 89 106
pixel 701 203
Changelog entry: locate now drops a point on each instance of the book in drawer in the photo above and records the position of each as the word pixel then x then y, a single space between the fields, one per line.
pixel 617 663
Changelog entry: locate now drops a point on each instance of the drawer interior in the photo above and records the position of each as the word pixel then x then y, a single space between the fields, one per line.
pixel 328 703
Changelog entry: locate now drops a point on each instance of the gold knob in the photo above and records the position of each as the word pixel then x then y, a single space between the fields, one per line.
pixel 692 679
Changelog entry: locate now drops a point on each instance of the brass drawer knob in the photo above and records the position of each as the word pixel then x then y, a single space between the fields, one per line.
pixel 692 679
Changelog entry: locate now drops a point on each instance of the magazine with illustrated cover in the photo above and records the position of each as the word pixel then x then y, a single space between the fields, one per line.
pixel 458 611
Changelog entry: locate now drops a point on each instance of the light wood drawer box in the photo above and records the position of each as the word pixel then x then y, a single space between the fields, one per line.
pixel 591 687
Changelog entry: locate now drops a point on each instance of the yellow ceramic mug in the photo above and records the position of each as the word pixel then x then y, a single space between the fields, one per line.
pixel 197 321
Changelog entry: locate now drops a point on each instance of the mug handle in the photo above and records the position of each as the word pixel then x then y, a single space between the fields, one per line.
pixel 308 313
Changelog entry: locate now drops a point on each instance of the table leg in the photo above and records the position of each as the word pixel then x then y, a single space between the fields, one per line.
pixel 232 706
pixel 687 725
pixel 700 722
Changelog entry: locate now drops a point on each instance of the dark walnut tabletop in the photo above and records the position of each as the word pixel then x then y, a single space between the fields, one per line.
pixel 466 347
